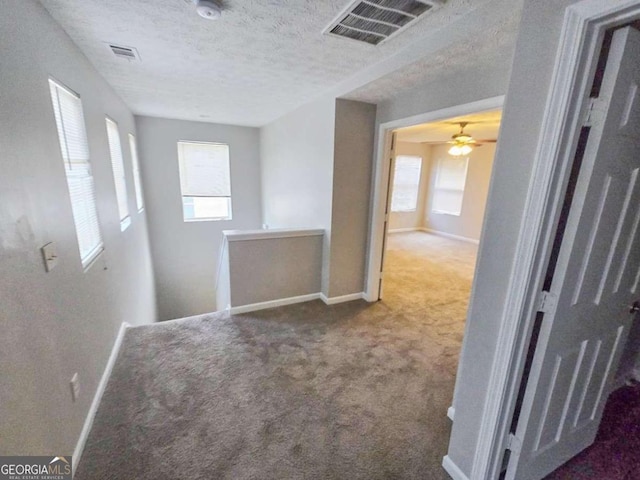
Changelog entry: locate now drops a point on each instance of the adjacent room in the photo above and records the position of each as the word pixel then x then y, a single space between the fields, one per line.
pixel 438 187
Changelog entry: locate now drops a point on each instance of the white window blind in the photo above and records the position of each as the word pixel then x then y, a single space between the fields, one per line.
pixel 406 183
pixel 205 180
pixel 74 147
pixel 448 192
pixel 117 165
pixel 137 183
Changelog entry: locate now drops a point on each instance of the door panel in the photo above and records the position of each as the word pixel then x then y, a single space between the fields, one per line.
pixel 595 281
pixel 387 212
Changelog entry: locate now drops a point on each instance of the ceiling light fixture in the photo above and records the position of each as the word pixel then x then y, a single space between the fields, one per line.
pixel 208 9
pixel 463 143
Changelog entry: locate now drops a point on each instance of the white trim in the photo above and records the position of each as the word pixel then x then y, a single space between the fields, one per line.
pixel 584 25
pixel 381 175
pixel 241 235
pixel 404 230
pixel 273 303
pixel 451 413
pixel 341 299
pixel 452 469
pixel 97 397
pixel 451 235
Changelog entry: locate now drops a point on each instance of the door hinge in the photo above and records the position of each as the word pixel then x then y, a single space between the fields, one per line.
pixel 547 302
pixel 594 113
pixel 514 444
pixel 386 217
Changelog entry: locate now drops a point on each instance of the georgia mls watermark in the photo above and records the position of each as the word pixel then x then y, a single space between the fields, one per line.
pixel 35 468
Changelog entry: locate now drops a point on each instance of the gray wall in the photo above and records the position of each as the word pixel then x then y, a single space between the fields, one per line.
pixel 273 268
pixel 297 171
pixel 404 220
pixel 354 133
pixel 58 323
pixel 185 254
pixel 469 223
pixel 521 122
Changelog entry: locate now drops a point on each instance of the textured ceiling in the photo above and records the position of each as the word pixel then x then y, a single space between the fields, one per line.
pixel 481 126
pixel 261 59
pixel 496 43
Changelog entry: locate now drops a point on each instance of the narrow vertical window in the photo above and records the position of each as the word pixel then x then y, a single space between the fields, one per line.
pixel 74 147
pixel 117 165
pixel 406 183
pixel 205 181
pixel 448 191
pixel 137 183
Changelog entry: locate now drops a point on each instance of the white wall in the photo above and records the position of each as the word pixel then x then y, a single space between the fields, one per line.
pixel 469 223
pixel 58 323
pixel 297 171
pixel 415 219
pixel 185 254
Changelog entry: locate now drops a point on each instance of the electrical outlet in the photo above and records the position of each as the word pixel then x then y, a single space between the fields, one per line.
pixel 75 387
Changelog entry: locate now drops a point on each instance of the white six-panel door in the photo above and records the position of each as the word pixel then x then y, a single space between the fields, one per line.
pixel 594 285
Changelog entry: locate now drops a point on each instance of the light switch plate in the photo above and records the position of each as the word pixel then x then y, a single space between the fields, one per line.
pixel 50 256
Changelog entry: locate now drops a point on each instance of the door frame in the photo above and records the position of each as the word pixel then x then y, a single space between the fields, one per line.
pixel 567 107
pixel 382 172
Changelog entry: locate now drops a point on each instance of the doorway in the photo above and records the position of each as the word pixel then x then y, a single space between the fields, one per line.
pixel 384 177
pixel 435 202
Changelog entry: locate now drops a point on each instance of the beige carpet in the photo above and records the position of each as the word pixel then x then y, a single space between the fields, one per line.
pixel 351 391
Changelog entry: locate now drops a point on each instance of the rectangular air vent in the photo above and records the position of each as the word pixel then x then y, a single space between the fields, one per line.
pixel 373 21
pixel 128 53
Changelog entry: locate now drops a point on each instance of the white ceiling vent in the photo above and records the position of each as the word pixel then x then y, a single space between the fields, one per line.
pixel 127 53
pixel 374 21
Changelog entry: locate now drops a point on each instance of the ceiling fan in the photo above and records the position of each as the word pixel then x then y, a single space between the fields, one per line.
pixel 462 143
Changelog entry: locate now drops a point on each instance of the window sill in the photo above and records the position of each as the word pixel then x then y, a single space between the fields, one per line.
pixel 220 219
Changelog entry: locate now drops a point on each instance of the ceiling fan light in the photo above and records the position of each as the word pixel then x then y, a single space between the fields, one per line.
pixel 458 150
pixel 455 151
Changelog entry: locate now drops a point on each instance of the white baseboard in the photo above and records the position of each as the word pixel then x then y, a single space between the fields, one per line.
pixel 402 230
pixel 450 235
pixel 97 397
pixel 273 303
pixel 342 299
pixel 453 470
pixel 451 413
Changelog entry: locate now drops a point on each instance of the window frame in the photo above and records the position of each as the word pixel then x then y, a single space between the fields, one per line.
pixel 125 221
pixel 393 192
pixel 229 198
pixel 89 258
pixel 437 189
pixel 135 167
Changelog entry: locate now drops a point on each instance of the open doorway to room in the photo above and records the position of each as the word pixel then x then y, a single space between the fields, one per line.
pixel 438 185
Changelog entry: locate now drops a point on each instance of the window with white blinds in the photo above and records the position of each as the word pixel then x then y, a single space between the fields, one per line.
pixel 74 147
pixel 406 183
pixel 205 181
pixel 117 165
pixel 448 191
pixel 137 183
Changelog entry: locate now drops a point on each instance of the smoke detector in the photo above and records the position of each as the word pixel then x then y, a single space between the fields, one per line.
pixel 208 9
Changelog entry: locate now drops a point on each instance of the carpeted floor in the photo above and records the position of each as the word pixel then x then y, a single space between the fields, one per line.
pixel 615 454
pixel 351 391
